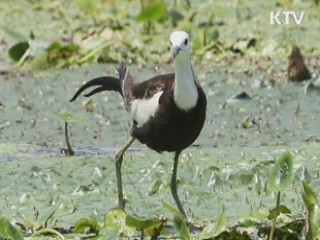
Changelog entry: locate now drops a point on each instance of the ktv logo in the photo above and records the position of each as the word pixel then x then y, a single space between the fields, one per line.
pixel 286 17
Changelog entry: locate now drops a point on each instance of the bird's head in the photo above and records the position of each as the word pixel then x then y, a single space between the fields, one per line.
pixel 180 45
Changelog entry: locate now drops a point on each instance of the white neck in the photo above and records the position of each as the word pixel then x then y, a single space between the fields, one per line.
pixel 185 89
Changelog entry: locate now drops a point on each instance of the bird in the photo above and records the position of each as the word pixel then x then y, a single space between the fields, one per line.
pixel 297 70
pixel 168 111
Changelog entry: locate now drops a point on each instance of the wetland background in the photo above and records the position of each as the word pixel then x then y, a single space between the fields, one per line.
pixel 49 48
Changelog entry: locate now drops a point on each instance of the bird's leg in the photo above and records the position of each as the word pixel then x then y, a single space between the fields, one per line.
pixel 119 158
pixel 173 184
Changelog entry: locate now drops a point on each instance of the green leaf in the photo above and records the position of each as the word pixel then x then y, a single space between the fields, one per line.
pixel 313 231
pixel 40 61
pixel 174 211
pixel 49 215
pixel 281 175
pixel 8 231
pixel 179 222
pixel 254 218
pixel 54 46
pixel 18 50
pixel 276 211
pixel 115 218
pixel 308 195
pixel 141 224
pixel 67 116
pixel 85 225
pixel 151 227
pixel 213 230
pixel 47 231
pixel 30 224
pixel 214 35
pixel 115 221
pixel 155 187
pixel 62 55
pixel 89 6
pixel 154 12
pixel 181 227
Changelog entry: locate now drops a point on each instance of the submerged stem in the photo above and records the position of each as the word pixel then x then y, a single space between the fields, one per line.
pixel 275 217
pixel 66 134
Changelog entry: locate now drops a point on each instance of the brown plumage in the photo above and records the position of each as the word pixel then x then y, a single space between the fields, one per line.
pixel 297 70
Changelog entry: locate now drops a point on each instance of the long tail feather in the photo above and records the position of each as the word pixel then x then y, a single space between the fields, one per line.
pixel 105 83
pixel 126 83
pixel 94 91
pixel 122 70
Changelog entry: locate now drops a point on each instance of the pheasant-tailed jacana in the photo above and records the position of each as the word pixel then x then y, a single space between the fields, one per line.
pixel 168 111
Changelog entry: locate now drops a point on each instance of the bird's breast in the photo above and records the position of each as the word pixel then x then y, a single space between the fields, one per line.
pixel 143 109
pixel 171 128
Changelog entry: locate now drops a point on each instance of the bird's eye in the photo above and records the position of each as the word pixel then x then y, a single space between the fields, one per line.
pixel 186 41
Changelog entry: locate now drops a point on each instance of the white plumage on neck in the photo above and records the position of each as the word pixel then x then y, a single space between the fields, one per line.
pixel 185 89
